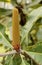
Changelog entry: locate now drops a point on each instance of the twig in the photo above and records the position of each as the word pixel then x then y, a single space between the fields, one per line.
pixel 22 52
pixel 8 53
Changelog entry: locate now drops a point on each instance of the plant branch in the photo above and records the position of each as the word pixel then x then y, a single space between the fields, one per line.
pixel 22 52
pixel 8 53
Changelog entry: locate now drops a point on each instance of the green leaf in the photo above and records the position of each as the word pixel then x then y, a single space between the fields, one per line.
pixel 4 41
pixel 4 0
pixel 24 62
pixel 7 23
pixel 13 60
pixel 2 28
pixel 4 12
pixel 37 57
pixel 39 33
pixel 32 18
pixel 34 3
pixel 9 60
pixel 17 60
pixel 36 48
pixel 13 2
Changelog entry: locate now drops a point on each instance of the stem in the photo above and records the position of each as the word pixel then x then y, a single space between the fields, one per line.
pixel 21 52
pixel 15 30
pixel 8 53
